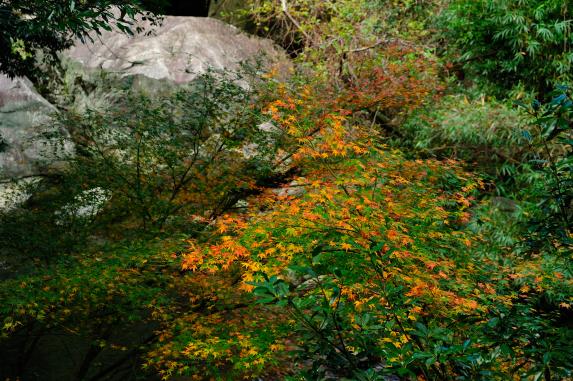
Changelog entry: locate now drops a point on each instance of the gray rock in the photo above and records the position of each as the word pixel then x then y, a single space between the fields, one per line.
pixel 15 192
pixel 85 206
pixel 294 189
pixel 179 50
pixel 504 204
pixel 31 144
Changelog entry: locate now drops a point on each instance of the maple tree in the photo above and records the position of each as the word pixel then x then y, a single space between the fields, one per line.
pixel 374 265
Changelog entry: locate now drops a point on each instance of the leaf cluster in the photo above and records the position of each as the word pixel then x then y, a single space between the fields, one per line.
pixel 510 42
pixel 50 27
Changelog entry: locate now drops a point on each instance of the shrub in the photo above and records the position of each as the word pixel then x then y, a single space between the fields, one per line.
pixel 488 134
pixel 552 216
pixel 509 42
pixel 186 151
pixel 101 304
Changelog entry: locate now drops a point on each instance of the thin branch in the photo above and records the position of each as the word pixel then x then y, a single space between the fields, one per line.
pixel 292 19
pixel 364 48
pixel 384 41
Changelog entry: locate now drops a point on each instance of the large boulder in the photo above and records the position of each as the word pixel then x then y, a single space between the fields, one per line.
pixel 30 144
pixel 179 50
pixel 176 52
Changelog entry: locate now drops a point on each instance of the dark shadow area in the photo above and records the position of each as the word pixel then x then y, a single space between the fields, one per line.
pixel 198 8
pixel 38 353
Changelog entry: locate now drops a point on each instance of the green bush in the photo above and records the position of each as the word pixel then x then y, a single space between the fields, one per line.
pixel 511 41
pixel 192 150
pixel 551 219
pixel 526 155
pixel 489 135
pixel 102 306
pixel 36 232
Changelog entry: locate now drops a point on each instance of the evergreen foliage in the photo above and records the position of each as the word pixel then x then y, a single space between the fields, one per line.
pixel 51 26
pixel 511 42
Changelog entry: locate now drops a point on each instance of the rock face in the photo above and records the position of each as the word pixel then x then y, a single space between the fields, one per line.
pixel 30 144
pixel 179 50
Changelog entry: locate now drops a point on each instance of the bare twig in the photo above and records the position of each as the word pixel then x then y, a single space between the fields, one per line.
pixel 384 41
pixel 292 19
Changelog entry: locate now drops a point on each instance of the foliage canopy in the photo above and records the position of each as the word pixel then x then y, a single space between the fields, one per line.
pixel 369 218
pixel 44 25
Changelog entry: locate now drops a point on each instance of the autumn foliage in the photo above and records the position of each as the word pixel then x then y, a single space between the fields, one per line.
pixel 363 266
pixel 358 265
pixel 318 243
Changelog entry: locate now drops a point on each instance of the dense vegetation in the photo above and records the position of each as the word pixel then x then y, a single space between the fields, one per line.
pixel 399 208
pixel 29 26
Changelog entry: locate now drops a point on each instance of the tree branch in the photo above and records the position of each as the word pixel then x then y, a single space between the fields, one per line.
pixel 292 19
